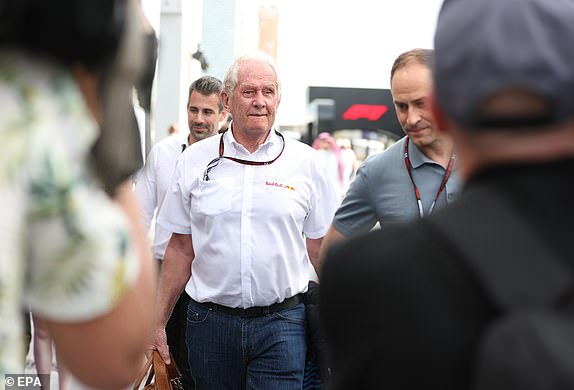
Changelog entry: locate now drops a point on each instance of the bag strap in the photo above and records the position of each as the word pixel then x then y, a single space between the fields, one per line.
pixel 172 369
pixel 145 370
pixel 160 373
pixel 159 368
pixel 511 261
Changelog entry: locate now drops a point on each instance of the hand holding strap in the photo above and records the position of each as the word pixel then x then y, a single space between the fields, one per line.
pixel 159 375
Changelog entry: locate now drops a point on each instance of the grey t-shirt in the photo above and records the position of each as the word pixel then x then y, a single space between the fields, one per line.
pixel 383 192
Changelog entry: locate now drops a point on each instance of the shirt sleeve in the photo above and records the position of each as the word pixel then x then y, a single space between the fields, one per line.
pixel 146 188
pixel 324 201
pixel 357 213
pixel 81 255
pixel 175 210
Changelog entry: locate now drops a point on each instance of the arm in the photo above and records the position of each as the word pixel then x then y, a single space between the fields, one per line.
pixel 107 352
pixel 313 246
pixel 332 236
pixel 325 204
pixel 175 273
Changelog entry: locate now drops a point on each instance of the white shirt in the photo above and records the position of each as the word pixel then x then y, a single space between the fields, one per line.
pixel 152 182
pixel 249 223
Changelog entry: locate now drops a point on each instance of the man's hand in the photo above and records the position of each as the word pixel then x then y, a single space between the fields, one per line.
pixel 159 342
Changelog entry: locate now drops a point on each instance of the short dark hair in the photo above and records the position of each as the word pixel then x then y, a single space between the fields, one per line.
pixel 42 27
pixel 414 56
pixel 207 85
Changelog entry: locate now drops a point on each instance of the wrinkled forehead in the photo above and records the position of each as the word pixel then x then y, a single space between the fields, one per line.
pixel 256 73
pixel 412 82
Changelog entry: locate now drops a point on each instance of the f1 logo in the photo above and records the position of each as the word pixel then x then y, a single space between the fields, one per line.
pixel 365 111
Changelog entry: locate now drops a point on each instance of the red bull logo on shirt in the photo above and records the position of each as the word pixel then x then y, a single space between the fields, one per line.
pixel 280 185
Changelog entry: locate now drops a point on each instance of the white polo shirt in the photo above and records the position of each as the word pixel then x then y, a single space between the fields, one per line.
pixel 152 182
pixel 249 223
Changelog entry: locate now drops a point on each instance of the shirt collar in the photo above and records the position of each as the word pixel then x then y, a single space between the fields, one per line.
pixel 266 148
pixel 417 157
pixel 183 141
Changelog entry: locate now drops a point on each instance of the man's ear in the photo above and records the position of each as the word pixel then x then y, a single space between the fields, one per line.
pixel 439 115
pixel 223 116
pixel 225 100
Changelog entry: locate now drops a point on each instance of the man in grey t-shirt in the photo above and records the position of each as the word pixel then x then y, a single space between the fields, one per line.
pixel 413 176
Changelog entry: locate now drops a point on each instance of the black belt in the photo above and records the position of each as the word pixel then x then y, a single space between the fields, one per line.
pixel 256 311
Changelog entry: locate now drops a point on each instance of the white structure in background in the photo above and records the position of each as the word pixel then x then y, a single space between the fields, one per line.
pixel 179 32
pixel 219 39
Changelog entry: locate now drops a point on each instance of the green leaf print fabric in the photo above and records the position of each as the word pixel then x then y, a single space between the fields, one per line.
pixel 65 248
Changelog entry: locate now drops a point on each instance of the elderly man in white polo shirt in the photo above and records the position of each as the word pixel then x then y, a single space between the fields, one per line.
pixel 248 210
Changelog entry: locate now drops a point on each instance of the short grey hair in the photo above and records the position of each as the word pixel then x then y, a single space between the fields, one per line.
pixel 230 81
pixel 207 85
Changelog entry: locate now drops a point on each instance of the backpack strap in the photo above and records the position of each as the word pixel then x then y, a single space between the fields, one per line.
pixel 511 261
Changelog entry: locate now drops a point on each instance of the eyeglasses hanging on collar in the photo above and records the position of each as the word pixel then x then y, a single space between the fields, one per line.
pixel 213 163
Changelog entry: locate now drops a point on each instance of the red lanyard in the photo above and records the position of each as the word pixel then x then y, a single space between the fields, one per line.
pixel 213 163
pixel 248 162
pixel 442 185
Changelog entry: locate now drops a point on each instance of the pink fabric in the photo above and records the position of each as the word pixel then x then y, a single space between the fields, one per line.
pixel 326 137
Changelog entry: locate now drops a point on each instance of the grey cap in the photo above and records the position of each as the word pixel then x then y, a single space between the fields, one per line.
pixel 485 46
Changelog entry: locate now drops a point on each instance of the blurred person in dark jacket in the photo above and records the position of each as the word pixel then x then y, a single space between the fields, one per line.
pixel 401 307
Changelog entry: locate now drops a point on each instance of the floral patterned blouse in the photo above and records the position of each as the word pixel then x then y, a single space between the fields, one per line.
pixel 65 248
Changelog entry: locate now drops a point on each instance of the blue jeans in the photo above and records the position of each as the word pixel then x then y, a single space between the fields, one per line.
pixel 231 352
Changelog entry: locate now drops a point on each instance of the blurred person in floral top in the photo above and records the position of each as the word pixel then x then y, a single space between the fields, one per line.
pixel 71 243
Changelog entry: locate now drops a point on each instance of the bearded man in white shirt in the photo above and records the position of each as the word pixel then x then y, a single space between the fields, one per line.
pixel 205 114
